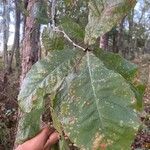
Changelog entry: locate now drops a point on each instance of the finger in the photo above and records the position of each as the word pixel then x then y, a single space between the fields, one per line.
pixel 39 141
pixel 53 139
pixel 43 136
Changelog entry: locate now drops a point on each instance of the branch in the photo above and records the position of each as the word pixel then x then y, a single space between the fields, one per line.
pixel 69 39
pixel 53 13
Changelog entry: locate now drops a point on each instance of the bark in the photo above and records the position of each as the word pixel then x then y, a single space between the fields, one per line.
pixel 17 31
pixel 120 37
pixel 135 47
pixel 130 35
pixel 104 41
pixel 24 16
pixel 5 33
pixel 130 19
pixel 115 46
pixel 53 13
pixel 30 45
pixel 40 51
pixel 16 44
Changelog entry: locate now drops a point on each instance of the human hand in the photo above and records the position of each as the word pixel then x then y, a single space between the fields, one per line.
pixel 43 141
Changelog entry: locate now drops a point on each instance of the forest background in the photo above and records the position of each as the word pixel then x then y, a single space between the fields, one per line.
pixel 130 38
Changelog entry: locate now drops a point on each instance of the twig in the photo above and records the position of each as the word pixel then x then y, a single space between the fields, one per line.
pixel 69 39
pixel 53 13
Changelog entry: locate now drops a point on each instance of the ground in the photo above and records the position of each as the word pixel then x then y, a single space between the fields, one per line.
pixel 9 107
pixel 8 110
pixel 142 140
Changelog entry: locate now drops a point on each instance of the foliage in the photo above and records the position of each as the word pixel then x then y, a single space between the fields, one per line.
pixel 52 40
pixel 42 16
pixel 138 90
pixel 74 10
pixel 45 78
pixel 91 92
pixel 22 8
pixel 95 110
pixel 103 110
pixel 103 16
pixel 128 70
pixel 118 64
pixel 72 28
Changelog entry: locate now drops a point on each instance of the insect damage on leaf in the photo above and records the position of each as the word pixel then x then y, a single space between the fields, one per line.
pixel 103 16
pixel 100 142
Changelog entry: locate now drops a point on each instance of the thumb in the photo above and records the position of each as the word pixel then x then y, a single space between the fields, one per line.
pixel 53 139
pixel 38 142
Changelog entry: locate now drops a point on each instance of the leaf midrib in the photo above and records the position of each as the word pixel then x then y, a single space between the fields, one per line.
pixel 93 88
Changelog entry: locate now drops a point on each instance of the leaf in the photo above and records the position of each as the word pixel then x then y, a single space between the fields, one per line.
pixel 95 108
pixel 69 2
pixel 103 15
pixel 44 78
pixel 52 40
pixel 21 6
pixel 72 28
pixel 42 15
pixel 63 144
pixel 139 91
pixel 127 69
pixel 117 63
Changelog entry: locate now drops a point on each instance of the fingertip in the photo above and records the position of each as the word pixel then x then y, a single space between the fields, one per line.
pixel 53 139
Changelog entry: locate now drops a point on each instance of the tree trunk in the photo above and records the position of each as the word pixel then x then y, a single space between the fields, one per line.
pixel 104 41
pixel 17 34
pixel 120 37
pixel 30 45
pixel 115 46
pixel 16 44
pixel 24 15
pixel 114 33
pixel 40 51
pixel 5 33
pixel 130 42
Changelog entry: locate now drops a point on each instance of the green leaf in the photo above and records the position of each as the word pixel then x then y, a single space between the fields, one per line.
pixel 127 69
pixel 44 78
pixel 103 15
pixel 63 144
pixel 42 15
pixel 21 6
pixel 139 91
pixel 72 28
pixel 95 108
pixel 69 2
pixel 117 63
pixel 52 40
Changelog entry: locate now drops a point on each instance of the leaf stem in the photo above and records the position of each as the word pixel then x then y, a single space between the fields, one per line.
pixel 69 39
pixel 53 11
